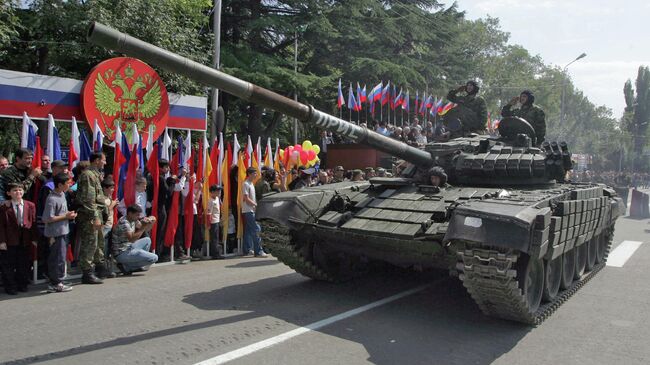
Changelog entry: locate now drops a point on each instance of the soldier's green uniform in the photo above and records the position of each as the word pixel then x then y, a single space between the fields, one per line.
pixel 532 114
pixel 472 109
pixel 12 174
pixel 92 204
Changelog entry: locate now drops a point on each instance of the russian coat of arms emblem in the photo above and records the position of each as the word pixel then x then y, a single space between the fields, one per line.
pixel 126 92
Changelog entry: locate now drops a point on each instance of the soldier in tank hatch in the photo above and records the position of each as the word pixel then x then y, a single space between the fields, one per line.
pixel 471 107
pixel 436 176
pixel 533 114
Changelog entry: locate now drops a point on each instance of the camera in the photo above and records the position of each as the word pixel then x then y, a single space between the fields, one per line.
pixel 147 220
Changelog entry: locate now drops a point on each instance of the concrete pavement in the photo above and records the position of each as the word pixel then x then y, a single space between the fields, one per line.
pixel 184 314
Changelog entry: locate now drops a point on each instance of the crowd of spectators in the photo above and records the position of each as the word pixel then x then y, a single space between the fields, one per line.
pixel 415 133
pixel 52 214
pixel 60 212
pixel 612 178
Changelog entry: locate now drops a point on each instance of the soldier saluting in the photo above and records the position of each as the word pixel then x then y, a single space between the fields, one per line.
pixel 533 114
pixel 472 108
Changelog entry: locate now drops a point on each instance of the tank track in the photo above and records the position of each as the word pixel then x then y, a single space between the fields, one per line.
pixel 491 279
pixel 277 239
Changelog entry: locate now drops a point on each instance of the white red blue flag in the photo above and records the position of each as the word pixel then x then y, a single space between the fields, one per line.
pixel 339 100
pixel 375 93
pixel 53 144
pixel 406 100
pixel 98 137
pixel 352 103
pixel 364 98
pixel 28 134
pixel 385 94
pixel 75 148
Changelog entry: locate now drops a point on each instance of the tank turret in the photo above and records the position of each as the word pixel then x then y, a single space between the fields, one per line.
pixel 510 159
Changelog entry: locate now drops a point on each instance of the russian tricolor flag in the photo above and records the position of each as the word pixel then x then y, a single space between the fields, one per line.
pixel 352 103
pixel 75 148
pixel 53 144
pixel 340 100
pixel 385 94
pixel 98 137
pixel 375 93
pixel 406 100
pixel 28 134
pixel 399 99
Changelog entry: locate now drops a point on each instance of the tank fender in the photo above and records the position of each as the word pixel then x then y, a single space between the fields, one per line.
pixel 299 205
pixel 501 224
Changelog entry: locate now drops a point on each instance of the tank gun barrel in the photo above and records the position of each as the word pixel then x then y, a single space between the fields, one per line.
pixel 112 39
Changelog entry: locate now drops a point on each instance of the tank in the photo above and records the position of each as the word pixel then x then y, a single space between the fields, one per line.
pixel 520 238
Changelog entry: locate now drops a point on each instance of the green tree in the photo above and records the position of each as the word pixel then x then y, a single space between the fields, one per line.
pixel 637 114
pixel 10 24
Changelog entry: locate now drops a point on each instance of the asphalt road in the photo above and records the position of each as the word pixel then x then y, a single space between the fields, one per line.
pixel 185 314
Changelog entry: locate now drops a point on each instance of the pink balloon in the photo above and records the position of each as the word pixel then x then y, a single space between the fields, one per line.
pixel 297 148
pixel 311 154
pixel 303 157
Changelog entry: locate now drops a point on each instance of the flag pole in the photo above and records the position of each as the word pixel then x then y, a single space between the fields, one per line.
pixel 366 115
pixel 395 115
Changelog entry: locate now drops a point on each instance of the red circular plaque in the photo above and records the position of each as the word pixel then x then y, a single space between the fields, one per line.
pixel 125 91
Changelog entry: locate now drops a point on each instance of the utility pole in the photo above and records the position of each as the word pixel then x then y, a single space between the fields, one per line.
pixel 214 100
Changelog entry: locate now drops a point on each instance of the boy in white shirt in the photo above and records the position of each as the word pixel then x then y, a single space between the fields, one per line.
pixel 213 214
pixel 249 205
pixel 140 198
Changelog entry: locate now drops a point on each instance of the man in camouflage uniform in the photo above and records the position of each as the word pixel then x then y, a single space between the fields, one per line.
pixel 531 113
pixel 471 109
pixel 92 204
pixel 339 173
pixel 21 172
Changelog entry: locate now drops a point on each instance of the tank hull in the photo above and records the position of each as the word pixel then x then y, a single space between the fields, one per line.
pixel 486 236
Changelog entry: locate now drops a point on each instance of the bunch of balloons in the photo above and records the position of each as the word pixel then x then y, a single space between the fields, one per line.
pixel 300 155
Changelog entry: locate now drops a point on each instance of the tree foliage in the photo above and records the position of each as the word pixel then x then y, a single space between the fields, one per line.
pixel 637 115
pixel 424 45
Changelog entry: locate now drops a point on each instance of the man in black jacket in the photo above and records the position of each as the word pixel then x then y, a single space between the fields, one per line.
pixel 165 190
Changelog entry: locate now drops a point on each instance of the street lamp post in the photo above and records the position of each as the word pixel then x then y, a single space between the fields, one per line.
pixel 214 95
pixel 562 102
pixel 295 92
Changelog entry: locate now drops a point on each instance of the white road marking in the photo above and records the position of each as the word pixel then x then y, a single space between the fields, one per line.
pixel 622 253
pixel 247 350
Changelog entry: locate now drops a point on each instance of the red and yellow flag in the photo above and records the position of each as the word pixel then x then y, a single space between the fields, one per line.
pixel 207 172
pixel 225 207
pixel 241 177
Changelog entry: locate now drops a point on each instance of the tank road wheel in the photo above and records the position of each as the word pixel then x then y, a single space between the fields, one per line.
pixel 568 268
pixel 601 248
pixel 339 266
pixel 591 253
pixel 531 281
pixel 581 260
pixel 552 278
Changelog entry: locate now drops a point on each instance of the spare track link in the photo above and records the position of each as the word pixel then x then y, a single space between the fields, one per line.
pixel 491 279
pixel 277 239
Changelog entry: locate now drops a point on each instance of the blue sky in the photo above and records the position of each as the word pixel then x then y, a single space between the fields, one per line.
pixel 614 34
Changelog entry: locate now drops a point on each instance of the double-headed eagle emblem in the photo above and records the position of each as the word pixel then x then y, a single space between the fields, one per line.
pixel 131 106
